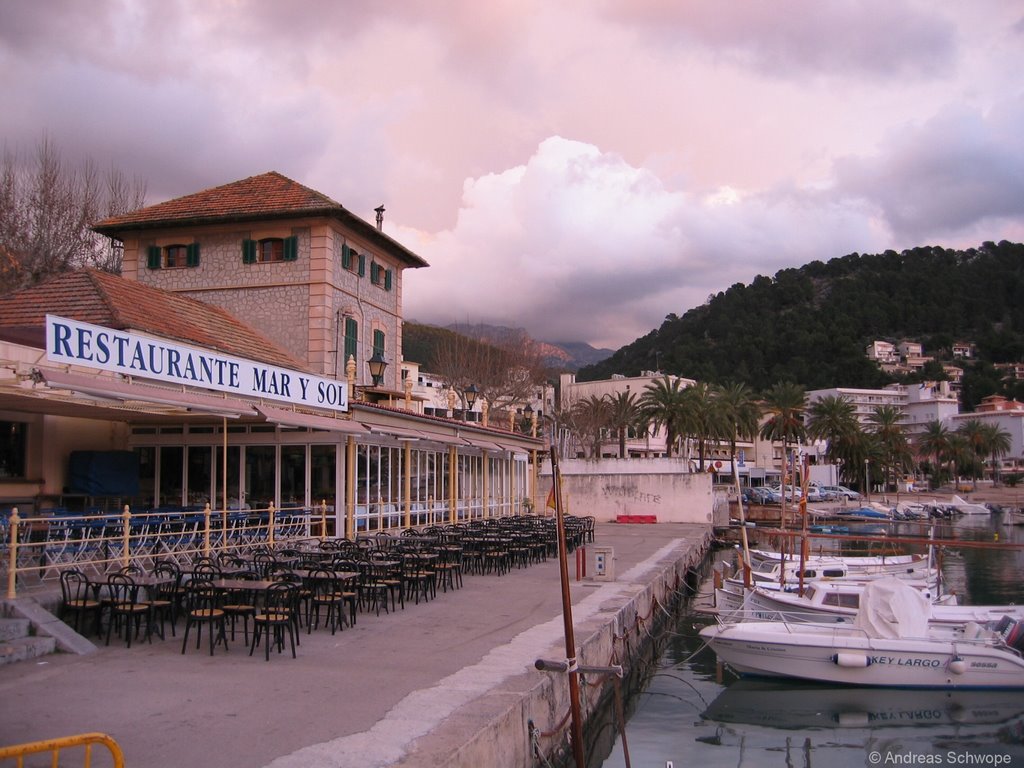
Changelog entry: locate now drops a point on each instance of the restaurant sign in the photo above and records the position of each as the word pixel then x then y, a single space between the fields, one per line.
pixel 132 354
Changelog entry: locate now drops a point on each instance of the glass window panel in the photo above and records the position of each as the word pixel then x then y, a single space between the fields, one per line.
pixel 234 457
pixel 293 475
pixel 172 465
pixel 147 476
pixel 199 474
pixel 260 475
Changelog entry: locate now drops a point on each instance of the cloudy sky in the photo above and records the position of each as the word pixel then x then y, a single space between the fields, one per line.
pixel 580 168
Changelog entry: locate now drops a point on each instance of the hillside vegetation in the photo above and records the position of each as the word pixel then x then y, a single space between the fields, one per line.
pixel 810 325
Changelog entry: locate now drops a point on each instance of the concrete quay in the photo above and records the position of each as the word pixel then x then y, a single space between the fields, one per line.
pixel 449 682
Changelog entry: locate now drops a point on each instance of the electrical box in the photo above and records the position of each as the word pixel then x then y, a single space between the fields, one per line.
pixel 604 563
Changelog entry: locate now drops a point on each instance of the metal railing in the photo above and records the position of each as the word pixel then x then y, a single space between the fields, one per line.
pixel 18 752
pixel 38 548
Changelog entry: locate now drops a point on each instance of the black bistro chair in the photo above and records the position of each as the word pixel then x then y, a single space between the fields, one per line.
pixel 203 606
pixel 276 619
pixel 78 597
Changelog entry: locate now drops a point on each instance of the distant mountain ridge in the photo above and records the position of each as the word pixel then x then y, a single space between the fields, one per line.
pixel 419 341
pixel 810 325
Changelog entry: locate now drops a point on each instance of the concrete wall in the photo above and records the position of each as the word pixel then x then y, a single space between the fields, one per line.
pixel 608 488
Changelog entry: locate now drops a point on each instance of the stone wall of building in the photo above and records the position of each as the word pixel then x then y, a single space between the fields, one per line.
pixel 661 490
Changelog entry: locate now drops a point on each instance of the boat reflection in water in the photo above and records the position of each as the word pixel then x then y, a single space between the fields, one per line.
pixel 802 724
pixel 798 706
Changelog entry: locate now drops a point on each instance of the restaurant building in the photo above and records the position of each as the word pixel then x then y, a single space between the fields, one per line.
pixel 248 355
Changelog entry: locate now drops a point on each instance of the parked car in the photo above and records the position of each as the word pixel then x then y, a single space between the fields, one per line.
pixel 817 493
pixel 793 493
pixel 842 492
pixel 760 495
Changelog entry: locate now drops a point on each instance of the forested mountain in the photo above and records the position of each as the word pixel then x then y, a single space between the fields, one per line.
pixel 811 325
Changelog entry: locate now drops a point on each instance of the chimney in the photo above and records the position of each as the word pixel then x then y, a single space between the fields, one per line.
pixel 379 210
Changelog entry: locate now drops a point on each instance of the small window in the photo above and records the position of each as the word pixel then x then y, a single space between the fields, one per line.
pixel 175 256
pixel 270 249
pixel 172 256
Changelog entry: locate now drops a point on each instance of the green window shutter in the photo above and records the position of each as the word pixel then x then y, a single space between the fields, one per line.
pixel 192 255
pixel 153 257
pixel 378 342
pixel 291 248
pixel 374 272
pixel 351 338
pixel 387 279
pixel 248 251
pixel 362 264
pixel 346 257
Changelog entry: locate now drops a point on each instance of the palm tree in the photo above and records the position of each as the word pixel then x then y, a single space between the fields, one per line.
pixel 663 406
pixel 832 418
pixel 973 431
pixel 590 416
pixel 887 426
pixel 623 414
pixel 961 456
pixel 933 443
pixel 784 403
pixel 998 443
pixel 701 416
pixel 739 413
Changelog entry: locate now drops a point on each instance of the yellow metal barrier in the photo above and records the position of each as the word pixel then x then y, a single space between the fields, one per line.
pixel 19 752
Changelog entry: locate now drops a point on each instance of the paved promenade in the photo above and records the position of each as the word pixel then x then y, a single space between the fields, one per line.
pixel 406 689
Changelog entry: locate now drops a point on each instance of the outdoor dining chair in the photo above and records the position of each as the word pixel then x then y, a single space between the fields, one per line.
pixel 78 597
pixel 275 620
pixel 203 607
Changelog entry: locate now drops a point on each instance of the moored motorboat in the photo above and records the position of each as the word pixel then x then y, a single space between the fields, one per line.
pixel 889 643
pixel 760 557
pixel 830 601
pixel 1013 517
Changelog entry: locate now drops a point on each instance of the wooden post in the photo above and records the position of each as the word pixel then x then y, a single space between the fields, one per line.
pixel 570 639
pixel 407 477
pixel 206 530
pixel 12 569
pixel 126 536
pixel 350 488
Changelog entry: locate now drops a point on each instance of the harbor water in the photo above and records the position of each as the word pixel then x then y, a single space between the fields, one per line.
pixel 692 712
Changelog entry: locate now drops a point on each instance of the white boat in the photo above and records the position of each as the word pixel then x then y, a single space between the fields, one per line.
pixel 765 556
pixel 962 507
pixel 832 601
pixel 890 643
pixel 832 567
pixel 731 596
pixel 1013 517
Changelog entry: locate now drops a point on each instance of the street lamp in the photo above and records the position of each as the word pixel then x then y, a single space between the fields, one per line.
pixel 470 394
pixel 377 364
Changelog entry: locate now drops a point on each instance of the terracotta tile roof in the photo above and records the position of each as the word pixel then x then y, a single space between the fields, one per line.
pixel 267 196
pixel 92 296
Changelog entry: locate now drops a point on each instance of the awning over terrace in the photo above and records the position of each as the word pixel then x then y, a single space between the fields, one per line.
pixel 108 388
pixel 288 418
